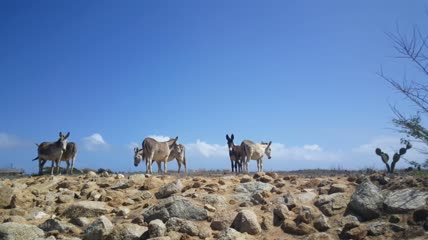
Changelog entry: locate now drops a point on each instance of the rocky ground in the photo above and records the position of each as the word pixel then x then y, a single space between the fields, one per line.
pixel 223 206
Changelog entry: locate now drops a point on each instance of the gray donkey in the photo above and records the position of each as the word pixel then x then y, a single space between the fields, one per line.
pixel 52 151
pixel 178 153
pixel 235 153
pixel 69 154
pixel 153 150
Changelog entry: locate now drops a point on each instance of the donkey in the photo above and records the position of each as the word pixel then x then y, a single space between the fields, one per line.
pixel 69 154
pixel 178 153
pixel 52 151
pixel 153 150
pixel 254 151
pixel 235 153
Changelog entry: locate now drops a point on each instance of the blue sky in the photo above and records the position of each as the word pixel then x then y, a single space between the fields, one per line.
pixel 299 73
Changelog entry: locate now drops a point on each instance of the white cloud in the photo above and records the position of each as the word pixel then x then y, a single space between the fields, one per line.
pixel 95 142
pixel 201 148
pixel 11 141
pixel 311 152
pixel 160 138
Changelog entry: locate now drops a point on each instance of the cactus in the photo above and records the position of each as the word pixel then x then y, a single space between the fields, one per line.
pixel 395 158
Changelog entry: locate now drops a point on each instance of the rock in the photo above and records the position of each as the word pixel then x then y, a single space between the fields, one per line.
pixel 332 204
pixel 306 197
pixel 394 219
pixel 175 207
pixel 337 188
pixel 5 195
pixel 55 225
pixel 90 175
pixel 126 231
pixel 265 179
pixel 246 221
pixel 123 211
pixel 137 178
pixel 286 199
pixel 12 231
pixel 216 201
pixel 218 225
pixel 151 183
pixel 319 236
pixel 273 175
pixel 80 221
pixel 321 223
pixel 122 184
pixel 292 228
pixel 209 208
pixel 280 213
pixel 350 221
pixel 305 214
pixel 36 215
pixel 376 229
pixel 16 219
pixel 182 226
pixel 405 200
pixel 257 199
pixel 246 179
pixel 253 187
pixel 367 201
pixel 396 228
pixel 99 229
pixel 169 189
pixel 157 228
pixel 230 234
pixel 86 209
pixel 161 238
pixel 357 233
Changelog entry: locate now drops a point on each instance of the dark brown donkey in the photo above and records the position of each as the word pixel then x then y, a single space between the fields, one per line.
pixel 235 154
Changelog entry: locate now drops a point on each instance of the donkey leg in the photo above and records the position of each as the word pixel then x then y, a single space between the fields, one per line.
pixel 179 165
pixel 159 167
pixel 231 163
pixel 165 165
pixel 68 166
pixel 52 168
pixel 72 165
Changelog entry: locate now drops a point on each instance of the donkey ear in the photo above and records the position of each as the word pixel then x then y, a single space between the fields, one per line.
pixel 175 140
pixel 232 137
pixel 227 137
pixel 60 134
pixel 269 143
pixel 66 136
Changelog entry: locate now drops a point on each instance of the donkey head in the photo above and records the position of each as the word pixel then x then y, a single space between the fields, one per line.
pixel 230 141
pixel 138 156
pixel 178 148
pixel 268 150
pixel 63 140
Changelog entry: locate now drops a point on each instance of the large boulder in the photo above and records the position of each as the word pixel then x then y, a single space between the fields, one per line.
pixel 253 187
pixel 246 222
pixel 367 201
pixel 12 231
pixel 169 189
pixel 87 209
pixel 332 204
pixel 405 200
pixel 99 229
pixel 175 207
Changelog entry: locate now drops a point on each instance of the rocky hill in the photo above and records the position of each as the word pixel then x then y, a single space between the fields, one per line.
pixel 262 206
